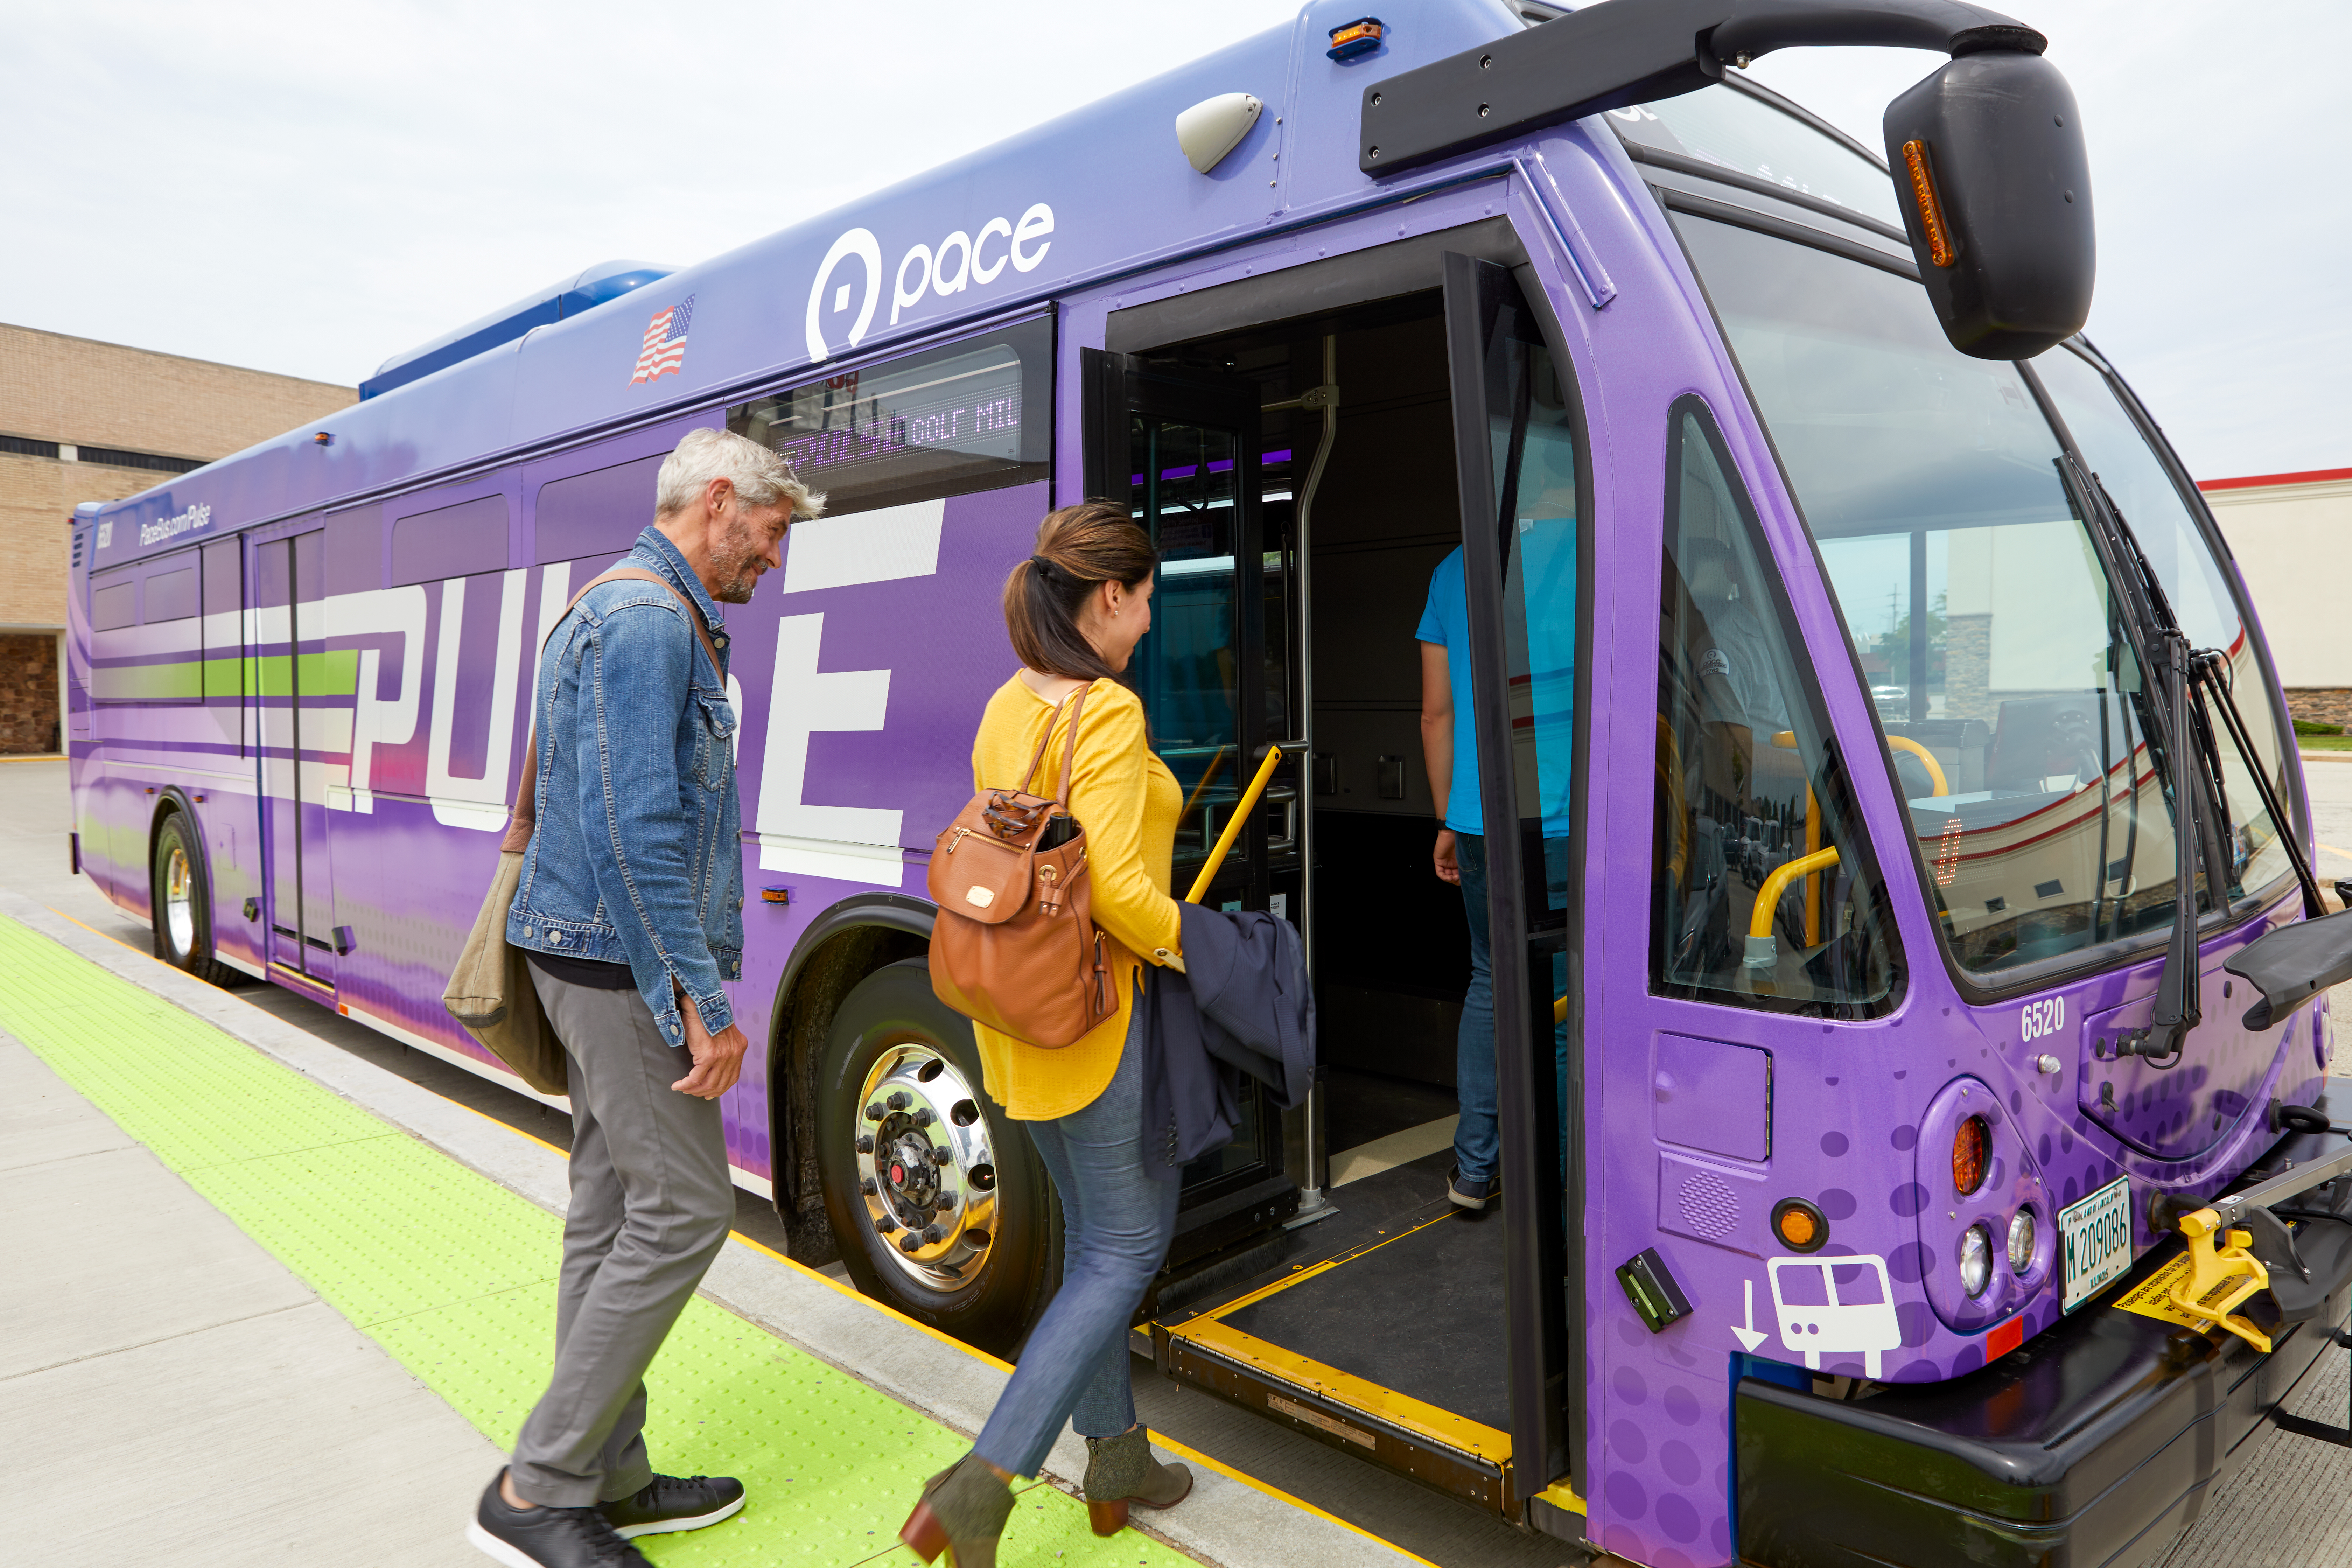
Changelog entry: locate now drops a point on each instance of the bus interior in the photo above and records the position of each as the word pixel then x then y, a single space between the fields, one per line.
pixel 1376 1324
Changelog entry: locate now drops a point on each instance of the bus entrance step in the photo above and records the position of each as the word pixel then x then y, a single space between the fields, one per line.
pixel 1387 1344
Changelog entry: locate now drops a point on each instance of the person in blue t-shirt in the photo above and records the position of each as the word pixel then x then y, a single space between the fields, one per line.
pixel 1542 576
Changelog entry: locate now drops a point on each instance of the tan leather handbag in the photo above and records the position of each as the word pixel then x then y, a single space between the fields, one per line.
pixel 1014 946
pixel 490 991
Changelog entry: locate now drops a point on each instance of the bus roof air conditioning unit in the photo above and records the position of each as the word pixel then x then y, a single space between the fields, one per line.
pixel 558 301
pixel 1215 126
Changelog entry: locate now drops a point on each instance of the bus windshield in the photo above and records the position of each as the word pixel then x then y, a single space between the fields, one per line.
pixel 1975 603
pixel 1744 133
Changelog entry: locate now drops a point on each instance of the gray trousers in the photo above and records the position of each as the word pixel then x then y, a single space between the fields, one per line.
pixel 652 1203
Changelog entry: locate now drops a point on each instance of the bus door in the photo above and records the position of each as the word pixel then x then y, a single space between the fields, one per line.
pixel 1345 447
pixel 1184 447
pixel 294 710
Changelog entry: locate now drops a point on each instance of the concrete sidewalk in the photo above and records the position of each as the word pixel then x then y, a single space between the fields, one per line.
pixel 283 1427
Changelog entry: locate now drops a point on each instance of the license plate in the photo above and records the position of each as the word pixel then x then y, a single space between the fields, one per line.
pixel 2094 1238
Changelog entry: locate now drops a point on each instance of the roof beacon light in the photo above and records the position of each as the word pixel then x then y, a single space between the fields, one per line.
pixel 1360 36
pixel 1941 248
pixel 322 438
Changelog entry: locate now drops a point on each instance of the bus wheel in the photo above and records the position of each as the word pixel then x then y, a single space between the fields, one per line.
pixel 182 904
pixel 938 1202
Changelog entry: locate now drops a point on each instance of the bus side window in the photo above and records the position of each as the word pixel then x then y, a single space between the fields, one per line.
pixel 1765 893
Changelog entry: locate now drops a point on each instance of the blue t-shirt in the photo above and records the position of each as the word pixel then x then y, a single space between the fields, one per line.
pixel 1446 621
pixel 1543 575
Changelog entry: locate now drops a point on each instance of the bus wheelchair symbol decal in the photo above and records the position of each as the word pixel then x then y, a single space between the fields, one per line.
pixel 1821 1314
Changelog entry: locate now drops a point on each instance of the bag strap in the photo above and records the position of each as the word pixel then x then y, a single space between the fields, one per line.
pixel 522 816
pixel 1077 703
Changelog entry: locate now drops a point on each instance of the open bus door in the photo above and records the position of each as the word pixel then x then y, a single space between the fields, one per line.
pixel 1404 1328
pixel 1185 448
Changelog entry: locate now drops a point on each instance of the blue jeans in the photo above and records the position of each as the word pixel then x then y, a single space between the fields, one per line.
pixel 1117 1222
pixel 1475 1140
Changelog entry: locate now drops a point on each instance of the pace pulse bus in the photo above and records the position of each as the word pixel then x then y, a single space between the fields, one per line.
pixel 1886 783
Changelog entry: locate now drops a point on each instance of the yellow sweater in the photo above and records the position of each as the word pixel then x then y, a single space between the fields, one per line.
pixel 1128 802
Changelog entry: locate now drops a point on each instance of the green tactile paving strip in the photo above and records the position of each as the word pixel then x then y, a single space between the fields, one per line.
pixel 455 1275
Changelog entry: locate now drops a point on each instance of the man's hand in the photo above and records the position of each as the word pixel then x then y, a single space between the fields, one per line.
pixel 718 1059
pixel 1449 870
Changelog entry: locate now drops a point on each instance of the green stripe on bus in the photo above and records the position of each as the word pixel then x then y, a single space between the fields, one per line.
pixel 455 1275
pixel 331 674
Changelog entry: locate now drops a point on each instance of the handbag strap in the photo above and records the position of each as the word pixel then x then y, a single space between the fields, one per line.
pixel 1077 703
pixel 522 816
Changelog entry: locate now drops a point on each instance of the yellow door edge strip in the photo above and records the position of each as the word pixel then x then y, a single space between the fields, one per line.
pixel 1301 1276
pixel 1561 1495
pixel 1402 1411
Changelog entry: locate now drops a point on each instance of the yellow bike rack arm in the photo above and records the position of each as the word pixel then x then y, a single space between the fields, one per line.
pixel 2221 1278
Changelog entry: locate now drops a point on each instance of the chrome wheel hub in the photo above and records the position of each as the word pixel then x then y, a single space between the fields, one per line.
pixel 180 902
pixel 924 1170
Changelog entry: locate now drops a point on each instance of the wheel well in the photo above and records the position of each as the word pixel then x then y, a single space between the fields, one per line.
pixel 813 989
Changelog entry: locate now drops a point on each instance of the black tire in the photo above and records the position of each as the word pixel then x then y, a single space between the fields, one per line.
pixel 893 1038
pixel 181 901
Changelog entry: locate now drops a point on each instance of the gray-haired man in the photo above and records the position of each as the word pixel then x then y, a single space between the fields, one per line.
pixel 630 910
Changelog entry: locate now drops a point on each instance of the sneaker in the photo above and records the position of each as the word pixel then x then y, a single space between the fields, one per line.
pixel 548 1537
pixel 675 1502
pixel 1473 1195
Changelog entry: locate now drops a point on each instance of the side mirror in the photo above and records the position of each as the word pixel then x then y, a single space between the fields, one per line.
pixel 1995 186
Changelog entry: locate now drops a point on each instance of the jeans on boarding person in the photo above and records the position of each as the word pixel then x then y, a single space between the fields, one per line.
pixel 1117 1221
pixel 1477 1142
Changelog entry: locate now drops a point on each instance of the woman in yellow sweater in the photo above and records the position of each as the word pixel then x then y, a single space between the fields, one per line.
pixel 1076 610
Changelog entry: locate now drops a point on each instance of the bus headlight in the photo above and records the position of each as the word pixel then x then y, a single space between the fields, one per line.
pixel 2021 1242
pixel 1976 1260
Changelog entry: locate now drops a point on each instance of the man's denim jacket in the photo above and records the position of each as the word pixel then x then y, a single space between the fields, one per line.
pixel 637 859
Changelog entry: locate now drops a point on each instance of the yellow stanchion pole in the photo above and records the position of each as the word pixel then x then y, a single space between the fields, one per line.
pixel 1242 809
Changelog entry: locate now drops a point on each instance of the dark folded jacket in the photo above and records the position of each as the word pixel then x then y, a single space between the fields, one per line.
pixel 1241 1004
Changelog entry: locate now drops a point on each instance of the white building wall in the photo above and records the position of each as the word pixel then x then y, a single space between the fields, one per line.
pixel 2294 543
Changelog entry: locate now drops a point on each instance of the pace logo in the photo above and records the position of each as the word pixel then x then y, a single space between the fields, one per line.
pixel 959 261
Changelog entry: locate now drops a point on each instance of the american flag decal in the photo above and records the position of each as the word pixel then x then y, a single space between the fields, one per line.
pixel 665 346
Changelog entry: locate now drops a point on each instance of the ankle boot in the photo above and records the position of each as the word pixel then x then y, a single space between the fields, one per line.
pixel 1120 1470
pixel 962 1513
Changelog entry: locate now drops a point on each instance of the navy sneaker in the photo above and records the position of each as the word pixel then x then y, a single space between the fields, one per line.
pixel 675 1502
pixel 548 1537
pixel 1473 1195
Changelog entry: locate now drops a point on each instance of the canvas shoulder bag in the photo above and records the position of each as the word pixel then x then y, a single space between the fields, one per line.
pixel 490 991
pixel 1014 946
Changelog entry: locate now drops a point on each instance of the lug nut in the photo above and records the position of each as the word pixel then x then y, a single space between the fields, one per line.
pixel 911 1243
pixel 886 1224
pixel 943 1155
pixel 897 1101
pixel 945 1201
pixel 866 1186
pixel 923 1117
pixel 874 1112
pixel 930 1233
pixel 866 1144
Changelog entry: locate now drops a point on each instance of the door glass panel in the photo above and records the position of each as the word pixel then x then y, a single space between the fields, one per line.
pixel 2115 451
pixel 1976 603
pixel 1185 491
pixel 1764 891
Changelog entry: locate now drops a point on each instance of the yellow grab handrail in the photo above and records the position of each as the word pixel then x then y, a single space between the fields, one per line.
pixel 1935 770
pixel 1242 808
pixel 1767 898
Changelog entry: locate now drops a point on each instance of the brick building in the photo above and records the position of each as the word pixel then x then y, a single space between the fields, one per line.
pixel 90 421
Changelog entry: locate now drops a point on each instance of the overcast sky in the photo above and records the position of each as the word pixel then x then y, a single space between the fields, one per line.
pixel 312 188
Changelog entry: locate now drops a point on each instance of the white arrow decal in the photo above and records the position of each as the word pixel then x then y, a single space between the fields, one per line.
pixel 1751 1336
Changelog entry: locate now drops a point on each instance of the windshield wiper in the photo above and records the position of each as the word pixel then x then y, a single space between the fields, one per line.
pixel 2171 724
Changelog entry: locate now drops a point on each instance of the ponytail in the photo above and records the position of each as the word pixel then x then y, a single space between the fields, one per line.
pixel 1078 549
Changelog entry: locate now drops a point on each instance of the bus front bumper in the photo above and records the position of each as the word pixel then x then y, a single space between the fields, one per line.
pixel 2091 1445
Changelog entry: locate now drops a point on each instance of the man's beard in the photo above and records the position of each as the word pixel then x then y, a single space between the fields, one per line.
pixel 730 560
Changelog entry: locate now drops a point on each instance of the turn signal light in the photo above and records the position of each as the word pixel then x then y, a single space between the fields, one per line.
pixel 1971 1145
pixel 1941 248
pixel 1801 1226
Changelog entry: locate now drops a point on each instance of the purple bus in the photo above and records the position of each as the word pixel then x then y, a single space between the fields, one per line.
pixel 1934 975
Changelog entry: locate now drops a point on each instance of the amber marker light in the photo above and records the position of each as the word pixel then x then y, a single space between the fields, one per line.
pixel 1971 1145
pixel 1801 1226
pixel 1941 248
